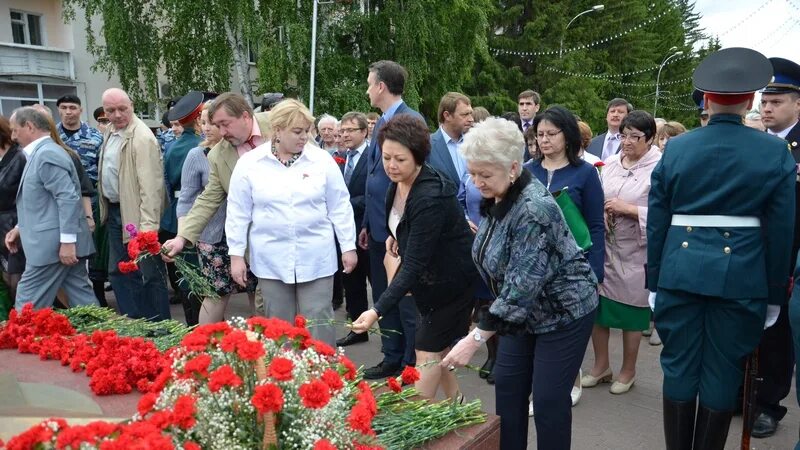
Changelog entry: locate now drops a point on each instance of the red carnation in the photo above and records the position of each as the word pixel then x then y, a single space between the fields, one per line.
pixel 268 398
pixel 281 369
pixel 127 266
pixel 394 385
pixel 599 164
pixel 250 350
pixel 410 375
pixel 339 160
pixel 324 444
pixel 224 376
pixel 133 249
pixel 333 380
pixel 183 412
pixel 232 340
pixel 360 419
pixel 299 321
pixel 323 348
pixel 199 364
pixel 350 368
pixel 189 445
pixel 146 403
pixel 315 394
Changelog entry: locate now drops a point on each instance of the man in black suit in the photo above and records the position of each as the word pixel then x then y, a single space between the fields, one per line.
pixel 354 139
pixel 385 85
pixel 780 110
pixel 455 119
pixel 607 144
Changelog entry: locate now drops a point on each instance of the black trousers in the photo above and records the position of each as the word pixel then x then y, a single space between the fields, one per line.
pixel 775 366
pixel 355 286
pixel 545 364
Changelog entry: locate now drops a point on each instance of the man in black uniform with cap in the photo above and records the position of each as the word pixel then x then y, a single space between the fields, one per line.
pixel 780 109
pixel 719 233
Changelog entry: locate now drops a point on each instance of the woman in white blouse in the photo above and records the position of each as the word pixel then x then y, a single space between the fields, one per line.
pixel 287 203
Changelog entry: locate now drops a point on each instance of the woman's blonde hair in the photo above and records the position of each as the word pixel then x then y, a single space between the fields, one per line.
pixel 206 109
pixel 289 112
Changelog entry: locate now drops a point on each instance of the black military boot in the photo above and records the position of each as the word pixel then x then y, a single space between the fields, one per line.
pixel 679 424
pixel 711 429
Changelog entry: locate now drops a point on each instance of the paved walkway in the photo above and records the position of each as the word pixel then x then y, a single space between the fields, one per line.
pixel 601 420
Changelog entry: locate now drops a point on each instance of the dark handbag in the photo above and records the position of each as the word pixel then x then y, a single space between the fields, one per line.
pixel 575 221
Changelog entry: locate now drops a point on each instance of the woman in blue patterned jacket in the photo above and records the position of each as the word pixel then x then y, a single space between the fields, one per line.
pixel 546 292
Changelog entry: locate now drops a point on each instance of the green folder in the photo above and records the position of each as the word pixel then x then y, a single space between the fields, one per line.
pixel 575 221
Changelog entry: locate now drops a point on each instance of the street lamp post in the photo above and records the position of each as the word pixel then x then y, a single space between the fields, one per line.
pixel 593 9
pixel 658 77
pixel 313 54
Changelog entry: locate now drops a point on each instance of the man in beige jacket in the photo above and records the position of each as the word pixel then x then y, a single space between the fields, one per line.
pixel 241 131
pixel 131 187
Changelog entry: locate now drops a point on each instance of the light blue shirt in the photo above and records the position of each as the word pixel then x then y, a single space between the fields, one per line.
pixel 357 155
pixel 389 113
pixel 455 155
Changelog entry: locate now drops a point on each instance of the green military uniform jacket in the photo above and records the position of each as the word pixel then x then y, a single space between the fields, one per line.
pixel 221 160
pixel 727 169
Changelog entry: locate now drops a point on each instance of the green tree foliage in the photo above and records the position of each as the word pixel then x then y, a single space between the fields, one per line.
pixel 446 45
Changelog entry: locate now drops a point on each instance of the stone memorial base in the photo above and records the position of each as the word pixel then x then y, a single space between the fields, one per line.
pixel 32 390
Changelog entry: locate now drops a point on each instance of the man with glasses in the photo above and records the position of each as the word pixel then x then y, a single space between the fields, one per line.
pixel 354 143
pixel 455 119
pixel 608 143
pixel 101 119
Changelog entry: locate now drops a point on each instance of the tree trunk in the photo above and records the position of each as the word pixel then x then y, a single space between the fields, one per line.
pixel 240 59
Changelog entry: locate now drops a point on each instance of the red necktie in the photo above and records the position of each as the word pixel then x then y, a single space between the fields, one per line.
pixel 251 143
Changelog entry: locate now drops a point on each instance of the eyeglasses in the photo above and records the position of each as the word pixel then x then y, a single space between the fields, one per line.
pixel 631 137
pixel 350 130
pixel 103 121
pixel 549 134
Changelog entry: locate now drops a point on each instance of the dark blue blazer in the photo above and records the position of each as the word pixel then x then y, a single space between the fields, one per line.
pixel 357 187
pixel 440 158
pixel 378 183
pixel 596 146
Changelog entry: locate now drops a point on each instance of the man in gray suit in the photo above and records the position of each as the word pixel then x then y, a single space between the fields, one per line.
pixel 51 225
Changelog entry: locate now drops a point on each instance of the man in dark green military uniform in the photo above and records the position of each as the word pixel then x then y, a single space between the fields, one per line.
pixel 719 232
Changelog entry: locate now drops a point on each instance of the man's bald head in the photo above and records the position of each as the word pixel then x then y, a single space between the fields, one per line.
pixel 118 107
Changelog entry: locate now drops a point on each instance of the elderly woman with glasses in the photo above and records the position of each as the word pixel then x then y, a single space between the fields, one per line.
pixel 623 297
pixel 545 289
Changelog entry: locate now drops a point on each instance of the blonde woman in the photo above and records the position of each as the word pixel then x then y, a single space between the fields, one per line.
pixel 287 203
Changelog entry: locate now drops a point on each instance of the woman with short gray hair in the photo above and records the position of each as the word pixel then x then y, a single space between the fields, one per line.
pixel 546 292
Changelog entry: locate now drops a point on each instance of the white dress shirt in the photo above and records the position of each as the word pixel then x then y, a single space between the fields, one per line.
pixel 288 215
pixel 610 150
pixel 782 134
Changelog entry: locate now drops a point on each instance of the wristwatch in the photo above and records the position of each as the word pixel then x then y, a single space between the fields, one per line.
pixel 476 335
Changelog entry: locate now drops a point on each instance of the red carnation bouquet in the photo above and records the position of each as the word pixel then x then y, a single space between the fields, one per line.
pixel 144 244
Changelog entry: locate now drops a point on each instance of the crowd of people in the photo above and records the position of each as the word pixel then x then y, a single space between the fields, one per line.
pixel 525 224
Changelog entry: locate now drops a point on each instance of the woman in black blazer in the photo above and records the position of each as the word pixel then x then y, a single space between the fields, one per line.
pixel 431 238
pixel 12 164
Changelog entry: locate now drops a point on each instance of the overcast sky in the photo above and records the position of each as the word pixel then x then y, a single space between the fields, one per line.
pixel 771 27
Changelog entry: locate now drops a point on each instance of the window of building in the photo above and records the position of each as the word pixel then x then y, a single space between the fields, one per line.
pixel 252 52
pixel 26 28
pixel 18 93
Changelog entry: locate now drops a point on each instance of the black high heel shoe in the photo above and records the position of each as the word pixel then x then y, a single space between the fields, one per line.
pixel 486 369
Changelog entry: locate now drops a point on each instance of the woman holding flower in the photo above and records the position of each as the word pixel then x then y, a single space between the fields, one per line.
pixel 546 291
pixel 623 297
pixel 287 203
pixel 430 240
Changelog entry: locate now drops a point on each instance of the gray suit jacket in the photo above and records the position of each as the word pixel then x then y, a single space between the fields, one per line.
pixel 49 204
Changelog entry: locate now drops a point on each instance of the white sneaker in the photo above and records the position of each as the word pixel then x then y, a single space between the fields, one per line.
pixel 530 409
